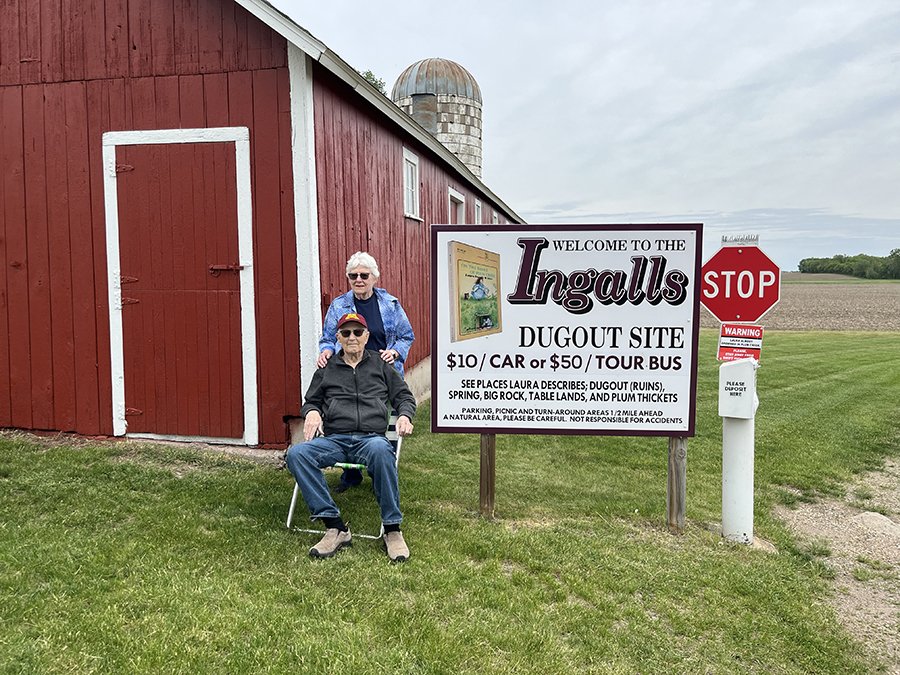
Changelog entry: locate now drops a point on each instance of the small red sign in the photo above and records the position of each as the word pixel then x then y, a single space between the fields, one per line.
pixel 740 341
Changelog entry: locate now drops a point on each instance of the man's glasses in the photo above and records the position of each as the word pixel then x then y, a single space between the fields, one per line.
pixel 358 332
pixel 352 277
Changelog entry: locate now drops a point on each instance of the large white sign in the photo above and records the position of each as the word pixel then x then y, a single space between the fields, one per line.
pixel 568 329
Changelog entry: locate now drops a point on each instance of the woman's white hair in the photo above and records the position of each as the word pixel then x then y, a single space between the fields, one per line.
pixel 363 259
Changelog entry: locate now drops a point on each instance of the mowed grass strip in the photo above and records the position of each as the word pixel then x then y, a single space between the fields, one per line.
pixel 129 558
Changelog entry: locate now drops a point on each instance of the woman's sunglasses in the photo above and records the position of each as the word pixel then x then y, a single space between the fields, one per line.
pixel 362 275
pixel 358 332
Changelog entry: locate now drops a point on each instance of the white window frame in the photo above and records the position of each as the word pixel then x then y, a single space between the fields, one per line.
pixel 478 212
pixel 457 199
pixel 495 219
pixel 411 199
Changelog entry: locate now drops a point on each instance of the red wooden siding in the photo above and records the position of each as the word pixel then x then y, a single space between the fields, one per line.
pixel 68 40
pixel 71 70
pixel 359 178
pixel 14 347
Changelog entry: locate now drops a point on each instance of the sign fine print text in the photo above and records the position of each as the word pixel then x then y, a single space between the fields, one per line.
pixel 562 329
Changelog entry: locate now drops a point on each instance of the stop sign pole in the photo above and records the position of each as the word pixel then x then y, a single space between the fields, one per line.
pixel 739 284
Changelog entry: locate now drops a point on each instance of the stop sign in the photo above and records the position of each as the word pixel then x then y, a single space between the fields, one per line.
pixel 740 283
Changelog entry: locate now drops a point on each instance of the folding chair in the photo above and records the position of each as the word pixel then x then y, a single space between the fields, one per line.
pixel 395 439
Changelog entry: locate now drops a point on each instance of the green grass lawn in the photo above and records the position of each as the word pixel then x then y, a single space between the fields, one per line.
pixel 130 558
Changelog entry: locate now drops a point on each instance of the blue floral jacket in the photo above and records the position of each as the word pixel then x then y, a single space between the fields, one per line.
pixel 398 331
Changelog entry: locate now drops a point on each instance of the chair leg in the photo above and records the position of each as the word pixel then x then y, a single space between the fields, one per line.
pixel 290 517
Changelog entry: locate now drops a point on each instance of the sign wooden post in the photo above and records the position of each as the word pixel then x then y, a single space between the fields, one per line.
pixel 486 486
pixel 676 485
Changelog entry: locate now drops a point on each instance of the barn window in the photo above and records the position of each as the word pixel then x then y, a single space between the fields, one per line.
pixel 457 211
pixel 410 184
pixel 496 219
pixel 478 211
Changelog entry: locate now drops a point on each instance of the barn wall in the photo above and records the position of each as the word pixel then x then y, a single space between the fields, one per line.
pixel 71 70
pixel 72 40
pixel 359 175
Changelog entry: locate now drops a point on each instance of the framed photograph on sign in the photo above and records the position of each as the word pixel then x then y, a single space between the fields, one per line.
pixel 474 292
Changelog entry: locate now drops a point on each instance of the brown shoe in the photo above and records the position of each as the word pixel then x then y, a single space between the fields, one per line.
pixel 333 541
pixel 397 549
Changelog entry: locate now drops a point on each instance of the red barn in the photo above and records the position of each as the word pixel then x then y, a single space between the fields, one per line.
pixel 181 182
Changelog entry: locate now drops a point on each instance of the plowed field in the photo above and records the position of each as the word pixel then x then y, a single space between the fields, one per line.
pixel 830 302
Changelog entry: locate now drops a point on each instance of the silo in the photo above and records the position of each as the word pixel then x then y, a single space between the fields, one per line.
pixel 444 98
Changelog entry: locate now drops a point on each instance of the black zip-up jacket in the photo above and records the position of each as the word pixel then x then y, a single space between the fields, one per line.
pixel 356 399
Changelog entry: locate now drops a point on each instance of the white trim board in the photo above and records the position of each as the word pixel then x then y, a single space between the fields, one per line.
pixel 240 136
pixel 175 438
pixel 306 213
pixel 162 136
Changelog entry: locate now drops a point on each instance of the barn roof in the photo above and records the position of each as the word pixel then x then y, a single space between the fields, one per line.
pixel 319 51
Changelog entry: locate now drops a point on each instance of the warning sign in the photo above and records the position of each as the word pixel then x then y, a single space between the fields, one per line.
pixel 740 341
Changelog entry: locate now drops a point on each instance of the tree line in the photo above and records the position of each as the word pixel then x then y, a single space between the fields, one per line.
pixel 862 266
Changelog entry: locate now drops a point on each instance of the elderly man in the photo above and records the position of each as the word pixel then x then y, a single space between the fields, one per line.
pixel 390 333
pixel 348 400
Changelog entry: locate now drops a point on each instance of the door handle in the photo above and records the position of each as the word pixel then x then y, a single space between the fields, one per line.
pixel 216 270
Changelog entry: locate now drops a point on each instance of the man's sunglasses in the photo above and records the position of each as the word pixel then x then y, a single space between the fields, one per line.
pixel 362 275
pixel 358 332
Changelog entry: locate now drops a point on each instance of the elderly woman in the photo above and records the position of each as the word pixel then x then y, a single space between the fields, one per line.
pixel 390 333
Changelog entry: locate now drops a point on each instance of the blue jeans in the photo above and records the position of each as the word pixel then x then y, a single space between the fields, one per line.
pixel 306 461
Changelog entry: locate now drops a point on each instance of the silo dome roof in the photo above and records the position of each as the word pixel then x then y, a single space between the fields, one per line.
pixel 436 76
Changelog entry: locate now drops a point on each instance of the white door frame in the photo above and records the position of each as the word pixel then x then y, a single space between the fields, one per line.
pixel 240 136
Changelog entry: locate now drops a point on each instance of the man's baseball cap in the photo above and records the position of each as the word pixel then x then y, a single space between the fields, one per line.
pixel 353 317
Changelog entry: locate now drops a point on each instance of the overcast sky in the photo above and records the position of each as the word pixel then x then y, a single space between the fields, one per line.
pixel 775 118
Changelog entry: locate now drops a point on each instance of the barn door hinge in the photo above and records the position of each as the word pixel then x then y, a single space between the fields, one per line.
pixel 120 168
pixel 127 280
pixel 133 411
pixel 130 301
